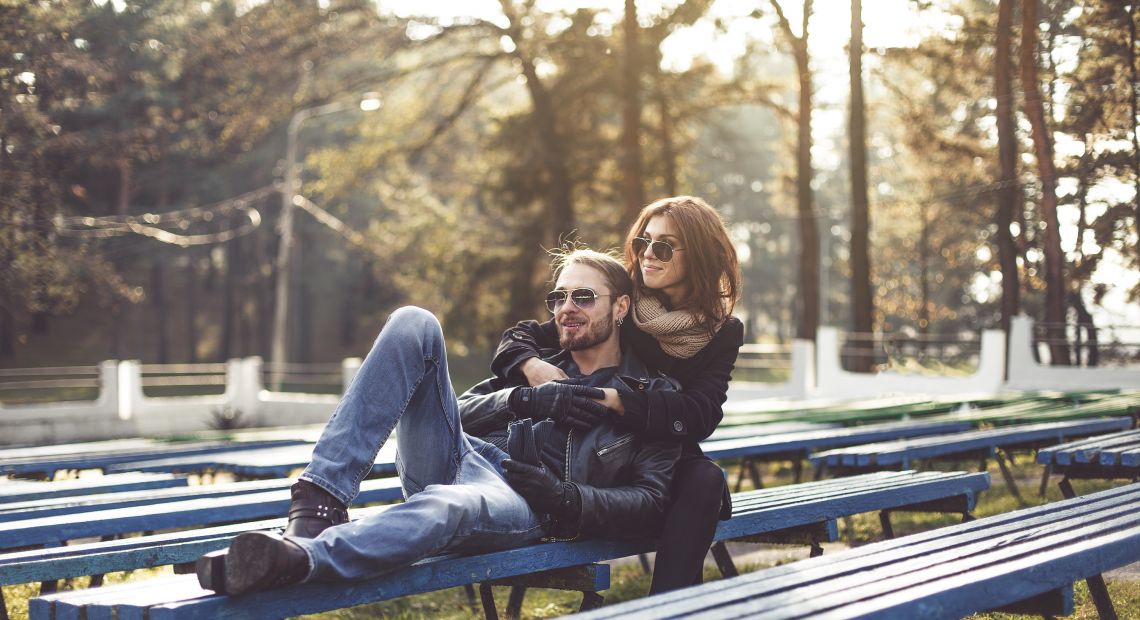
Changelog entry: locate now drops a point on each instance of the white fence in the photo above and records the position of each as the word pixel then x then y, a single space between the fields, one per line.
pixel 121 407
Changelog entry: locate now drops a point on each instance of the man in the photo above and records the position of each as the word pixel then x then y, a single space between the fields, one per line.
pixel 572 473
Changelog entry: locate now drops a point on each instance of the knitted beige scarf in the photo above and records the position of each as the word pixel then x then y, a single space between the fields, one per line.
pixel 680 333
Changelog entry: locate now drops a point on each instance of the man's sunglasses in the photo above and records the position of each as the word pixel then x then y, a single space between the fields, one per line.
pixel 661 249
pixel 584 298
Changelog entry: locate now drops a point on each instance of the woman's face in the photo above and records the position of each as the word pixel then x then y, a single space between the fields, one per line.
pixel 667 277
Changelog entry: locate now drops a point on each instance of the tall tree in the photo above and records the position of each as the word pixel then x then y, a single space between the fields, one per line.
pixel 633 189
pixel 1008 190
pixel 805 207
pixel 1055 288
pixel 862 304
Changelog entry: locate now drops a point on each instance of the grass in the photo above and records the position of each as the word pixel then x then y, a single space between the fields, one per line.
pixel 629 582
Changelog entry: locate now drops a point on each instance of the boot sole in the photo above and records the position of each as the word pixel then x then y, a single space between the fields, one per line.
pixel 250 562
pixel 211 570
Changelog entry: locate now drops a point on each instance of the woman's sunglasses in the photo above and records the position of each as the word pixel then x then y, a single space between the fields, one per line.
pixel 584 298
pixel 661 249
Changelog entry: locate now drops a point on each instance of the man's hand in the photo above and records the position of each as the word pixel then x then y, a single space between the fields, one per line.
pixel 545 493
pixel 538 372
pixel 577 406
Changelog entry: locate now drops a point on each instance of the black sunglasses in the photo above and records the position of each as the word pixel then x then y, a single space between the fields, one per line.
pixel 584 298
pixel 661 249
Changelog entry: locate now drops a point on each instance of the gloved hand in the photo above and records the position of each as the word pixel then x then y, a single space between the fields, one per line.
pixel 525 440
pixel 568 404
pixel 545 493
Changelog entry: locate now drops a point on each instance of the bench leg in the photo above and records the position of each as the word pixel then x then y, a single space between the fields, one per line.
pixel 797 470
pixel 1045 479
pixel 469 590
pixel 816 550
pixel 1067 488
pixel 515 602
pixel 819 471
pixel 1099 593
pixel 885 521
pixel 488 597
pixel 3 607
pixel 754 474
pixel 591 600
pixel 644 561
pixel 1008 475
pixel 724 560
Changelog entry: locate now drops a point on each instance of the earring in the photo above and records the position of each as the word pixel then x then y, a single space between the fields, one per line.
pixel 619 321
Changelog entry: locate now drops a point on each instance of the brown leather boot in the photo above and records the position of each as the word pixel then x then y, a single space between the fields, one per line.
pixel 313 510
pixel 259 561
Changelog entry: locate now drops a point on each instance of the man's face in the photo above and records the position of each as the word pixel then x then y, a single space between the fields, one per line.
pixel 579 328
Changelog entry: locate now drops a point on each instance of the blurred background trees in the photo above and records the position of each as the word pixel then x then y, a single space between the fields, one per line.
pixel 142 146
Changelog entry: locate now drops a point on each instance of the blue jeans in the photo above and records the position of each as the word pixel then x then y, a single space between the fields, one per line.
pixel 456 496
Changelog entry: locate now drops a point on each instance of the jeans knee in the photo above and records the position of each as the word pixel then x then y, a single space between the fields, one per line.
pixel 414 323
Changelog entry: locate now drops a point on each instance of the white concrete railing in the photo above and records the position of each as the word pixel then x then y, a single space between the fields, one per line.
pixel 835 382
pixel 121 408
pixel 1026 373
pixel 800 380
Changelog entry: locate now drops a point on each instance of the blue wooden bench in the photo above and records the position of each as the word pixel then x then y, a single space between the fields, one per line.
pixel 17 511
pixel 1024 561
pixel 1103 457
pixel 25 491
pixel 981 444
pixel 777 441
pixel 798 445
pixel 73 457
pixel 795 513
pixel 57 529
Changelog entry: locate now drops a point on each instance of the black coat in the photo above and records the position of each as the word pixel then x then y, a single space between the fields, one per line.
pixel 623 479
pixel 688 416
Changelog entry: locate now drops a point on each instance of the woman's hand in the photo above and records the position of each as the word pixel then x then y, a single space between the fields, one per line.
pixel 538 372
pixel 612 401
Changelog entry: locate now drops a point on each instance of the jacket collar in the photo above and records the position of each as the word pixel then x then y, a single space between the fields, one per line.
pixel 630 365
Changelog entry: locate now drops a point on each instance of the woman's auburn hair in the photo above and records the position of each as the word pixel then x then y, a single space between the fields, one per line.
pixel 711 267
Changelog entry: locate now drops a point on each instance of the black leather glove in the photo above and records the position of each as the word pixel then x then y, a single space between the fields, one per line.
pixel 545 493
pixel 525 440
pixel 568 404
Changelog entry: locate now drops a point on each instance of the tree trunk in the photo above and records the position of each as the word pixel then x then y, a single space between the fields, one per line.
pixel 633 190
pixel 1007 193
pixel 523 297
pixel 226 348
pixel 191 306
pixel 552 154
pixel 924 275
pixel 809 234
pixel 158 303
pixel 668 149
pixel 1132 100
pixel 1043 147
pixel 862 303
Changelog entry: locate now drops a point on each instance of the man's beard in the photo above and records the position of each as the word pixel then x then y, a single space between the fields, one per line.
pixel 599 331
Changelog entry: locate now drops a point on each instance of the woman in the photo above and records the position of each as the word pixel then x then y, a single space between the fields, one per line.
pixel 687 281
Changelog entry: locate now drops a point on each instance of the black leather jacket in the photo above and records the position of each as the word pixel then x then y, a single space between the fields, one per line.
pixel 623 480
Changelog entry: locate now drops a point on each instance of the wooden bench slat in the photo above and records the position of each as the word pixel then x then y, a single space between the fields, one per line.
pixel 105 501
pixel 187 600
pixel 899 453
pixel 794 587
pixel 185 513
pixel 27 491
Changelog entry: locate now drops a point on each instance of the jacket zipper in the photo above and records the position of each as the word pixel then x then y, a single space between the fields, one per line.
pixel 615 445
